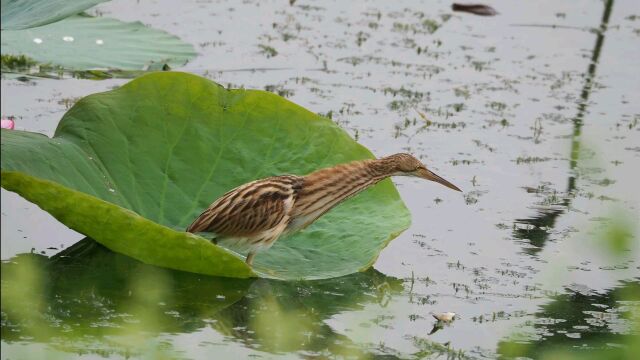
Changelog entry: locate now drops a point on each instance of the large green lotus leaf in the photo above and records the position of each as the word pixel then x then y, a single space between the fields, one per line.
pixel 168 144
pixel 83 43
pixel 23 14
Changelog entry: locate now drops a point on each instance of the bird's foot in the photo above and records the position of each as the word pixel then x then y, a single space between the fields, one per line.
pixel 250 257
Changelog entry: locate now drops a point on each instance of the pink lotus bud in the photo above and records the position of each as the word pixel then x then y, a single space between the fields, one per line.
pixel 7 124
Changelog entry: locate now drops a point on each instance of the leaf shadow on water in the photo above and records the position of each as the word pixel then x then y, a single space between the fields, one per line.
pixel 535 230
pixel 88 299
pixel 87 295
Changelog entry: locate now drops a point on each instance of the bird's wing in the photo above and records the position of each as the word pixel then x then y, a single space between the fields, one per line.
pixel 250 208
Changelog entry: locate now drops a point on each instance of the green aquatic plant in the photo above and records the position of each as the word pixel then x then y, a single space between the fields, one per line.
pixel 268 51
pixel 11 62
pixel 83 42
pixel 24 14
pixel 132 167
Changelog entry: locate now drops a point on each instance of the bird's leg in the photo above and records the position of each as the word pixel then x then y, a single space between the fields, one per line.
pixel 250 257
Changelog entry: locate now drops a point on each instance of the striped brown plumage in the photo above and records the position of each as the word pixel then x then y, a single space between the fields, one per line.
pixel 254 215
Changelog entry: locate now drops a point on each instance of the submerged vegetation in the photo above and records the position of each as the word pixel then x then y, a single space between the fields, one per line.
pixel 268 51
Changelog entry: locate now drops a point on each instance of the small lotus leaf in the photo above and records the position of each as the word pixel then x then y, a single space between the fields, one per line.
pixel 83 42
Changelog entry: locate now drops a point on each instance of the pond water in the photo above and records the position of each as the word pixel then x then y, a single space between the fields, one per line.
pixel 534 113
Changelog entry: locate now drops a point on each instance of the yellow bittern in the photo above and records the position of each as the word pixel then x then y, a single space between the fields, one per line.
pixel 254 215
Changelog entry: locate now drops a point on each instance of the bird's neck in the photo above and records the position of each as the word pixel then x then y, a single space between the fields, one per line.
pixel 346 180
pixel 324 189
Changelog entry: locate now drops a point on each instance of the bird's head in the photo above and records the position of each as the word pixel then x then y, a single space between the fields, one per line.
pixel 407 165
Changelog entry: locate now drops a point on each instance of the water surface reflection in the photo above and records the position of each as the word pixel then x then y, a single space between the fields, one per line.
pixel 90 299
pixel 581 320
pixel 536 230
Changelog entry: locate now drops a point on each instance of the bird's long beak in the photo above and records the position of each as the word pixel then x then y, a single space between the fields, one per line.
pixel 430 175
